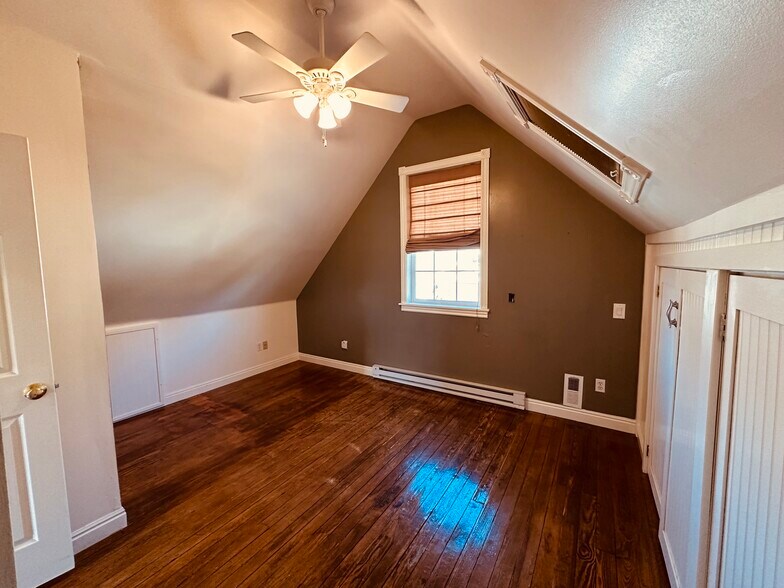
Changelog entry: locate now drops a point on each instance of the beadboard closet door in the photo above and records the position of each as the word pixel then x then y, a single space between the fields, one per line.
pixel 682 522
pixel 747 547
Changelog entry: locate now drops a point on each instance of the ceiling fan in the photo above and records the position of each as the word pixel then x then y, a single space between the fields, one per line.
pixel 324 80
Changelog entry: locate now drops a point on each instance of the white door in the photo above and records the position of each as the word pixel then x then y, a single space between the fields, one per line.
pixel 28 409
pixel 663 397
pixel 747 547
pixel 683 522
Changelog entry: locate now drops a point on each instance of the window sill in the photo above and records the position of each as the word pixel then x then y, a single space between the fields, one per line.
pixel 455 311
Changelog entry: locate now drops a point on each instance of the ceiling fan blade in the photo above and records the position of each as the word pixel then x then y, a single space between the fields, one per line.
pixel 383 100
pixel 360 56
pixel 267 96
pixel 267 51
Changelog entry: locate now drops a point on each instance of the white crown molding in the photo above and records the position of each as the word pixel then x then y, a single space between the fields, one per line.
pixel 763 208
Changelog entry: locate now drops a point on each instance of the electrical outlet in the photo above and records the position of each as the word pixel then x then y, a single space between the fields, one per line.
pixel 600 385
pixel 344 344
pixel 619 311
pixel 265 345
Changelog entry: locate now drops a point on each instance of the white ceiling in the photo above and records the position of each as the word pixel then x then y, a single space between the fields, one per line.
pixel 203 202
pixel 692 89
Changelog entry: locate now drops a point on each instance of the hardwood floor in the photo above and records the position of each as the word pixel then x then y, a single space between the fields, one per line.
pixel 311 476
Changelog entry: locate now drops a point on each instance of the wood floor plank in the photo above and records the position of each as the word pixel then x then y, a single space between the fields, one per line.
pixel 359 521
pixel 490 494
pixel 265 520
pixel 486 562
pixel 446 512
pixel 273 529
pixel 306 475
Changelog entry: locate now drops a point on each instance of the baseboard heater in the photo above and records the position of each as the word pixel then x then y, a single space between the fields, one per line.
pixel 502 396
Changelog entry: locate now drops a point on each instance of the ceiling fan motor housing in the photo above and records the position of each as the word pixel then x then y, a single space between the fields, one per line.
pixel 315 6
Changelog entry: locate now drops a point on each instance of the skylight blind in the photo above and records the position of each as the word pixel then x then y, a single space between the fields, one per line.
pixel 445 208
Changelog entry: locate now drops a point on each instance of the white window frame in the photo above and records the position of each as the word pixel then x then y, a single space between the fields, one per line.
pixel 482 157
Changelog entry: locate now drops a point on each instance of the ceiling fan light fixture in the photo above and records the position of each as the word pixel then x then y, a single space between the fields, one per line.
pixel 326 118
pixel 323 80
pixel 341 105
pixel 306 104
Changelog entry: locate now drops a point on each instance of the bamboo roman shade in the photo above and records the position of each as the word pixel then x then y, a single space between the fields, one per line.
pixel 445 208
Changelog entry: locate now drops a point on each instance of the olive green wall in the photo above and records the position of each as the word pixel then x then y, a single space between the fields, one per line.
pixel 565 256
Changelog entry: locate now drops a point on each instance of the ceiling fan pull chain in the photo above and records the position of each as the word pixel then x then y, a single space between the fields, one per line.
pixel 324 137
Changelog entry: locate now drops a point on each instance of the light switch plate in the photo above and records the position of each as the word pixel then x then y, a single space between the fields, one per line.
pixel 619 311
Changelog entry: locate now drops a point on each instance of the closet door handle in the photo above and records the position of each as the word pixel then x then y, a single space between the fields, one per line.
pixel 673 321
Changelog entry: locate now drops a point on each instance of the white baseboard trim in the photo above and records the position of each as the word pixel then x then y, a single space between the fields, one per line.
pixel 338 364
pixel 590 417
pixel 607 421
pixel 133 413
pixel 201 388
pixel 99 529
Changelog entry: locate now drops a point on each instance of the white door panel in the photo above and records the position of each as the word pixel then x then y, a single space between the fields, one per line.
pixel 133 371
pixel 30 429
pixel 681 518
pixel 664 386
pixel 672 283
pixel 748 531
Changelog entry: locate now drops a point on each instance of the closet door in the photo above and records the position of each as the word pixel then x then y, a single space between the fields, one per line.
pixel 663 397
pixel 748 520
pixel 684 524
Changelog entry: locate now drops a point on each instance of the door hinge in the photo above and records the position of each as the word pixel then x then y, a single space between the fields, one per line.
pixel 658 291
pixel 647 450
pixel 724 326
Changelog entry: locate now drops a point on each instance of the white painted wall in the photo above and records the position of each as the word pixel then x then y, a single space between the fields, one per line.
pixel 205 351
pixel 42 100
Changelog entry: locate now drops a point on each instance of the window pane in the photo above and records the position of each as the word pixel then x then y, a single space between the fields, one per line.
pixel 446 260
pixel 424 260
pixel 446 286
pixel 468 259
pixel 468 286
pixel 423 285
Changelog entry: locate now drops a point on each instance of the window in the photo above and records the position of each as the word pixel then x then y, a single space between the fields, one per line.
pixel 617 170
pixel 443 235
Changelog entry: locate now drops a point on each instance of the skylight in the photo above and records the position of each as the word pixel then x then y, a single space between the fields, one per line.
pixel 617 169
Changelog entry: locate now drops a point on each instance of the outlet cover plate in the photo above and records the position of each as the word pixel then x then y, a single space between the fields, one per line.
pixel 601 385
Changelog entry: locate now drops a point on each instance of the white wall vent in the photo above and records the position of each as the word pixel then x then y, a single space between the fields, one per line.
pixel 493 394
pixel 573 391
pixel 618 170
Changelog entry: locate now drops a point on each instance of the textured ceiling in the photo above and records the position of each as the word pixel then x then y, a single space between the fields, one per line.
pixel 204 202
pixel 694 90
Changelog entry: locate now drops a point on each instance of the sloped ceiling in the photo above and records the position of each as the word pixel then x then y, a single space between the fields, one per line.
pixel 203 202
pixel 692 89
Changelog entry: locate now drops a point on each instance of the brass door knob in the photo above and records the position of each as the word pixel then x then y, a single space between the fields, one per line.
pixel 35 391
